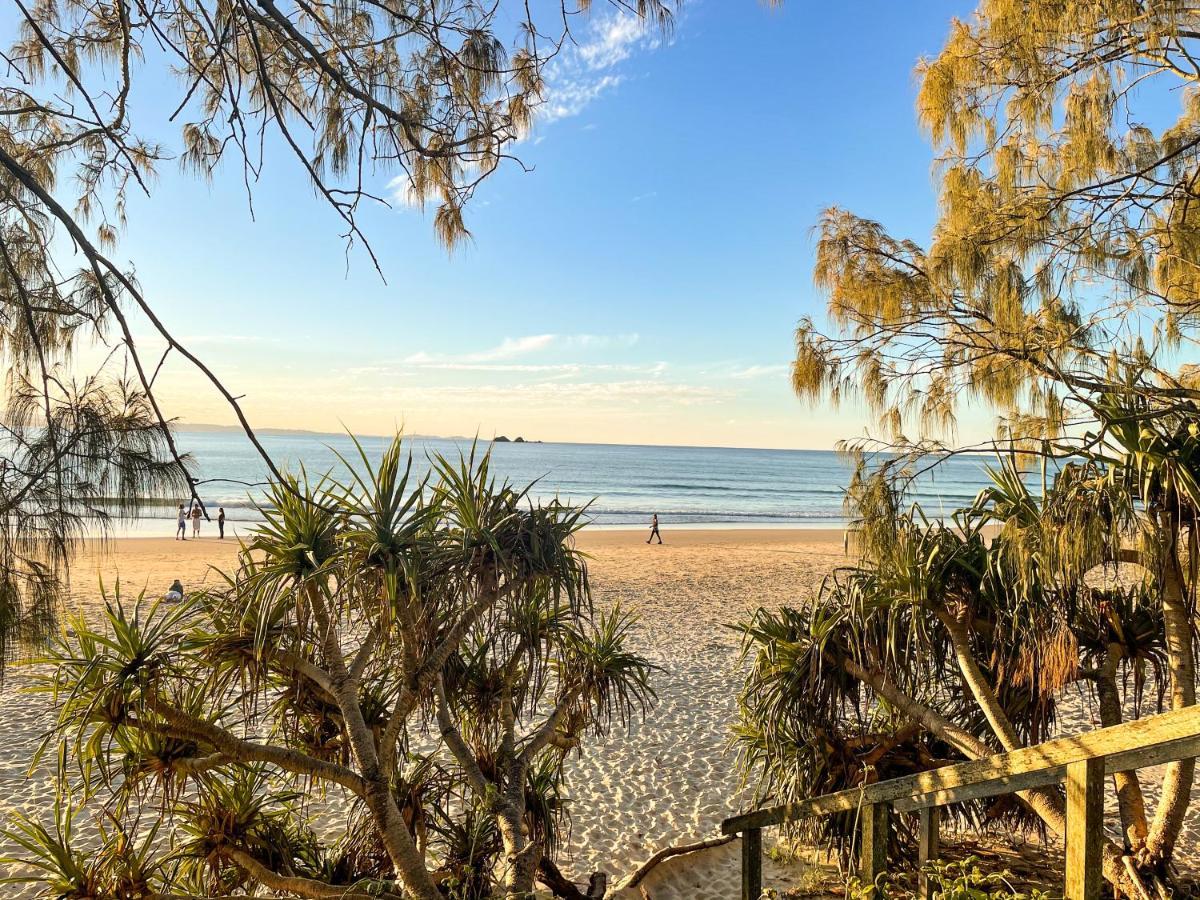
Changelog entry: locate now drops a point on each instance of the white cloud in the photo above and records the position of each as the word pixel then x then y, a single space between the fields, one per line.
pixel 601 341
pixel 596 395
pixel 401 192
pixel 613 40
pixel 570 97
pixel 515 348
pixel 759 372
pixel 583 71
pixel 511 347
pixel 507 349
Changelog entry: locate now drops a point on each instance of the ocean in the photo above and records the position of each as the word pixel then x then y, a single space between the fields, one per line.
pixel 625 485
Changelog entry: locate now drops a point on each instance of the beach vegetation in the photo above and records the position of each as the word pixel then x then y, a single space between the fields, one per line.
pixel 971 878
pixel 379 702
pixel 957 639
pixel 1057 291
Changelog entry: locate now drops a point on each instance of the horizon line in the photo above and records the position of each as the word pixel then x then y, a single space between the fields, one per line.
pixel 209 427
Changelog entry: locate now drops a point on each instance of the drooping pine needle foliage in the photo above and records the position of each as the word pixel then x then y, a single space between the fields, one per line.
pixel 1058 290
pixel 76 453
pixel 378 703
pixel 1064 259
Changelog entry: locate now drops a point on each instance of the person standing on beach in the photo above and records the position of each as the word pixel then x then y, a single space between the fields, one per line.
pixel 196 521
pixel 181 527
pixel 654 529
pixel 221 522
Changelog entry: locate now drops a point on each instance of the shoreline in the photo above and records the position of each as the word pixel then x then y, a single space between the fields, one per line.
pixel 691 535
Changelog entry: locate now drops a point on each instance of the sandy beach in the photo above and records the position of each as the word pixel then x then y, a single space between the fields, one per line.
pixel 667 780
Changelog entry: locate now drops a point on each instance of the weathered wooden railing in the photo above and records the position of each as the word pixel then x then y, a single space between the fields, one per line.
pixel 1082 761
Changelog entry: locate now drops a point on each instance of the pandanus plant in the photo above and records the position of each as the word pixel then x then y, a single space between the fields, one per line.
pixel 875 676
pixel 956 639
pixel 377 703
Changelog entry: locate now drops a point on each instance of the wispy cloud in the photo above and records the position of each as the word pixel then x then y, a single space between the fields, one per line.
pixel 549 370
pixel 597 395
pixel 519 347
pixel 570 97
pixel 581 73
pixel 601 341
pixel 586 70
pixel 401 192
pixel 750 372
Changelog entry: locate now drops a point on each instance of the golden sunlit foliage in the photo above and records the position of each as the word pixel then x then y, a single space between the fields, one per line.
pixel 1066 254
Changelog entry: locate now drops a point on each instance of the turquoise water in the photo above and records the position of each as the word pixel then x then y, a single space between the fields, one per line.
pixel 693 486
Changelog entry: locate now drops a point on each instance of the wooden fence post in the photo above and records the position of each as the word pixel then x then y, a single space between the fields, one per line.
pixel 1085 828
pixel 928 848
pixel 873 841
pixel 752 864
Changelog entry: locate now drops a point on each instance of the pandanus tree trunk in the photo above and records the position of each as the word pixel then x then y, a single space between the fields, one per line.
pixel 1130 801
pixel 504 794
pixel 1047 805
pixel 976 681
pixel 1178 626
pixel 521 855
pixel 406 858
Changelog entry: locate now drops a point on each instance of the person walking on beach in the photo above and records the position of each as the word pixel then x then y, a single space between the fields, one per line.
pixel 181 527
pixel 196 521
pixel 654 529
pixel 221 522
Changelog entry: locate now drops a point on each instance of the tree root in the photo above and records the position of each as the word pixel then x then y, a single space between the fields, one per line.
pixel 1141 884
pixel 1134 881
pixel 549 874
pixel 666 853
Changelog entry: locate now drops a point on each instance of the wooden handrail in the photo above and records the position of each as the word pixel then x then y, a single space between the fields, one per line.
pixel 1143 742
pixel 1081 760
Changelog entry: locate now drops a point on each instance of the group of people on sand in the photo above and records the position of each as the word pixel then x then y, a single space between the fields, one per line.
pixel 174 594
pixel 194 515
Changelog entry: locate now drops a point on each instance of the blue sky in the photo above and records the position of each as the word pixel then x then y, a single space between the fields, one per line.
pixel 640 285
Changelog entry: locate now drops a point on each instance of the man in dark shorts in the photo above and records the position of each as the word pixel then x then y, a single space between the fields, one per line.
pixel 221 521
pixel 654 529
